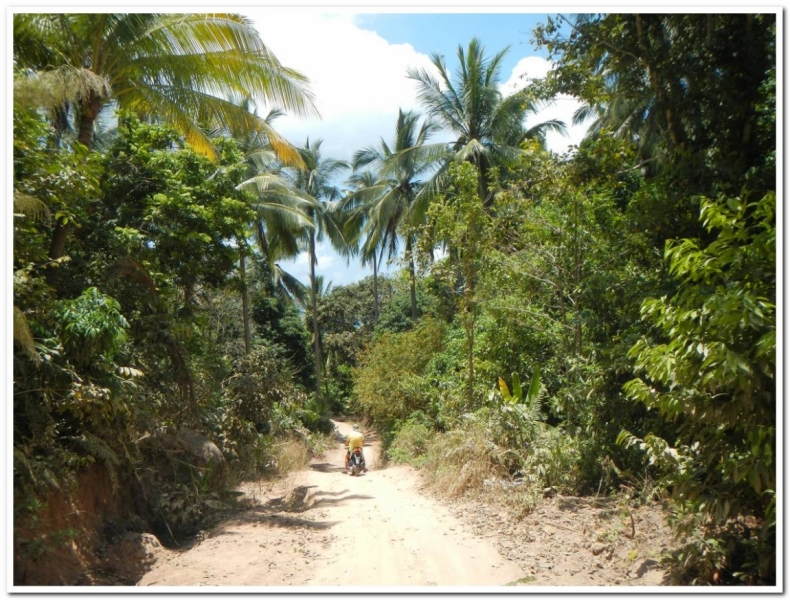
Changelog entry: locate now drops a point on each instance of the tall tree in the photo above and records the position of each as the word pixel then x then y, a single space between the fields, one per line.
pixel 190 70
pixel 315 180
pixel 281 211
pixel 489 125
pixel 690 89
pixel 459 219
pixel 403 168
pixel 695 94
pixel 360 227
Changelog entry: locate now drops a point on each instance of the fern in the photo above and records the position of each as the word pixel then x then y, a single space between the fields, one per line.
pixel 98 448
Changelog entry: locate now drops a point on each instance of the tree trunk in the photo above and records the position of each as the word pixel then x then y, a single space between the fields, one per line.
pixel 412 279
pixel 375 290
pixel 189 295
pixel 469 325
pixel 577 280
pixel 245 303
pixel 482 181
pixel 470 314
pixel 314 302
pixel 60 234
pixel 90 110
pixel 57 249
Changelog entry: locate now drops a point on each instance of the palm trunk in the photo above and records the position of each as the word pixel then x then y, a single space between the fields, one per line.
pixel 314 302
pixel 469 325
pixel 470 314
pixel 470 359
pixel 375 290
pixel 577 278
pixel 60 234
pixel 245 303
pixel 189 295
pixel 412 279
pixel 482 180
pixel 90 111
pixel 56 250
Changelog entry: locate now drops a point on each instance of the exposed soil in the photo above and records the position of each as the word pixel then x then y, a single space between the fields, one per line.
pixel 568 541
pixel 321 528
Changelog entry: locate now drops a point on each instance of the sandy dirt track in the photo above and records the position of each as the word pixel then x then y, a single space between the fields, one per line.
pixel 334 530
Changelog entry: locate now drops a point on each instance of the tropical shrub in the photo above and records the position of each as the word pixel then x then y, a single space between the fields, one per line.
pixel 388 382
pixel 411 440
pixel 711 370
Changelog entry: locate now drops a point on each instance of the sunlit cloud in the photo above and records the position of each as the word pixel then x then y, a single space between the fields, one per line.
pixel 561 109
pixel 360 81
pixel 358 78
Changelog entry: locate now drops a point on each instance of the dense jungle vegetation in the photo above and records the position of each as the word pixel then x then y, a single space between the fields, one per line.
pixel 597 322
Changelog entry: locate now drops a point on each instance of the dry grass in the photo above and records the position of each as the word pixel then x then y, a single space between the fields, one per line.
pixel 291 455
pixel 459 462
pixel 287 457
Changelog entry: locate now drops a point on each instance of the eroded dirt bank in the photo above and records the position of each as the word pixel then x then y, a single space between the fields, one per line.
pixel 322 528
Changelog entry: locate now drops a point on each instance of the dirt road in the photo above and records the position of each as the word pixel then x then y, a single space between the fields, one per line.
pixel 334 530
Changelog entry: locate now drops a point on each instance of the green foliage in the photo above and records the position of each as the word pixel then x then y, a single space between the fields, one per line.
pixel 125 260
pixel 689 91
pixel 347 320
pixel 487 124
pixel 520 412
pixel 713 373
pixel 394 205
pixel 388 381
pixel 564 274
pixel 118 355
pixel 411 440
pixel 135 328
pixel 180 220
pixel 396 313
pixel 460 220
pixel 176 68
pixel 553 460
pixel 45 544
pixel 281 324
pixel 91 327
pixel 260 380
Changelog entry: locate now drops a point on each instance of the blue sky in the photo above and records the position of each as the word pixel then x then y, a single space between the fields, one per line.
pixel 357 63
pixel 443 32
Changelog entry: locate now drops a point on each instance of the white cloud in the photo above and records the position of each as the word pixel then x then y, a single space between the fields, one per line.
pixel 358 79
pixel 562 109
pixel 359 82
pixel 531 67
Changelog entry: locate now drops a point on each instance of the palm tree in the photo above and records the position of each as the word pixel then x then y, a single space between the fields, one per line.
pixel 314 182
pixel 185 69
pixel 489 126
pixel 393 211
pixel 190 70
pixel 322 289
pixel 357 207
pixel 282 212
pixel 627 115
